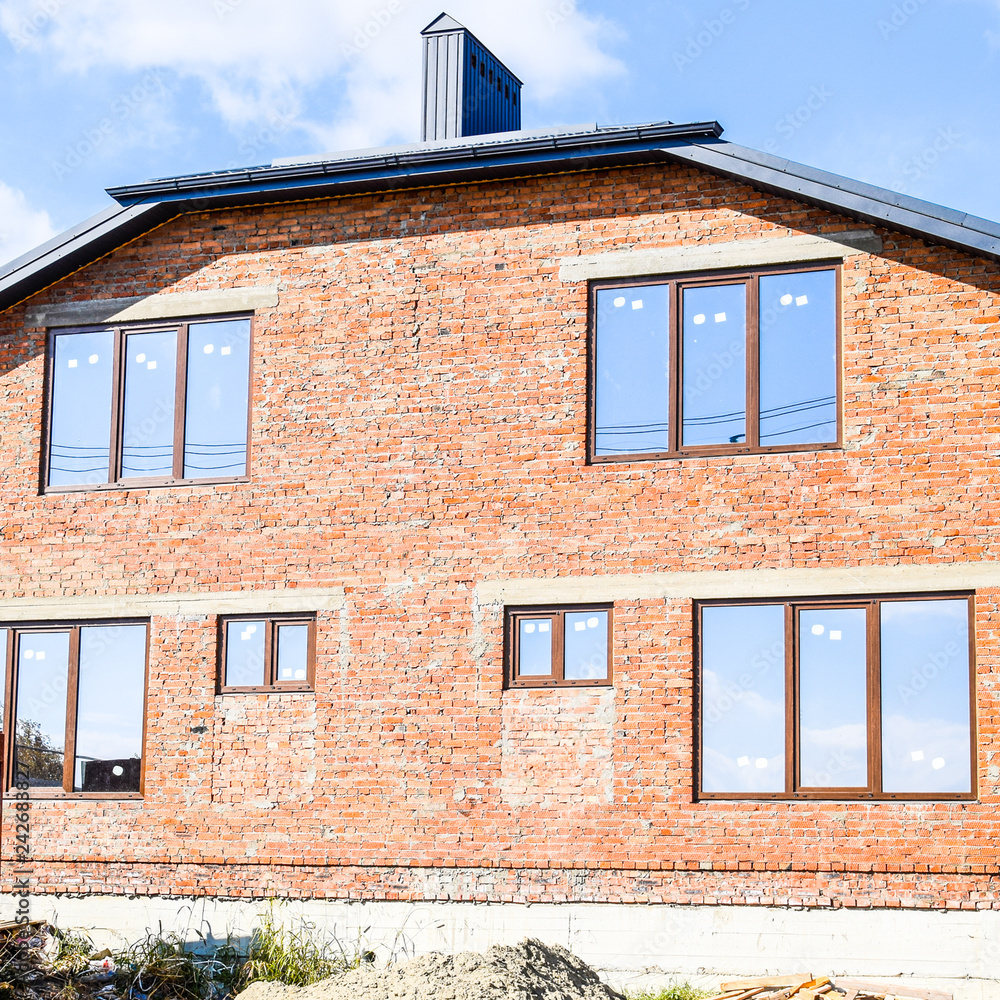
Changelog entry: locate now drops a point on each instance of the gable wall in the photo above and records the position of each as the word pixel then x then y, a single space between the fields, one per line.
pixel 419 412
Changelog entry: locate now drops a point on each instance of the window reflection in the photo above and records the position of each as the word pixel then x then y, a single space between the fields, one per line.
pixel 293 652
pixel 245 662
pixel 743 698
pixel 40 707
pixel 535 647
pixel 109 708
pixel 798 358
pixel 80 431
pixel 714 379
pixel 585 645
pixel 925 696
pixel 3 661
pixel 150 384
pixel 833 698
pixel 633 372
pixel 218 378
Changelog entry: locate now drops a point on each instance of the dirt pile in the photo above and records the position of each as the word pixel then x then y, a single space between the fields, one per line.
pixel 528 971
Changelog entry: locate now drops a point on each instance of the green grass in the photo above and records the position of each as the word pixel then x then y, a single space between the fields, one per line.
pixel 675 991
pixel 297 956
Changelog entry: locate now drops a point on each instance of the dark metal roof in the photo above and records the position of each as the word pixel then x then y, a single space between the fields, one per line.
pixel 147 205
pixel 475 158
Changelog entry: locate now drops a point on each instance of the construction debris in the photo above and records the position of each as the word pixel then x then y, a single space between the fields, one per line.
pixel 805 986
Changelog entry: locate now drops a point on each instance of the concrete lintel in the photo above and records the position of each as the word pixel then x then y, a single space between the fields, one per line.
pixel 707 257
pixel 163 305
pixel 742 583
pixel 21 609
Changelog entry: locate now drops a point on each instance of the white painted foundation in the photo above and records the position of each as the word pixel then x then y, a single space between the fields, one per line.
pixel 632 945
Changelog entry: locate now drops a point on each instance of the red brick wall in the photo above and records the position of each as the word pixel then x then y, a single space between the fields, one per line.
pixel 419 418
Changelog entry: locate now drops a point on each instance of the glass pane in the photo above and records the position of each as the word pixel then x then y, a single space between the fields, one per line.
pixel 40 726
pixel 534 647
pixel 798 358
pixel 110 708
pixel 293 653
pixel 714 398
pixel 833 698
pixel 925 696
pixel 3 666
pixel 632 370
pixel 150 383
pixel 218 382
pixel 743 699
pixel 585 646
pixel 80 439
pixel 245 654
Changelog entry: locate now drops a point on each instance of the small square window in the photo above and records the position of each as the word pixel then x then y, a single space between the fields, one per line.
pixel 267 653
pixel 556 646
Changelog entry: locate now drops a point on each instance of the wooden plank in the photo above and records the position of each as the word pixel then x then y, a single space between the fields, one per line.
pixel 813 989
pixel 738 994
pixel 896 989
pixel 772 982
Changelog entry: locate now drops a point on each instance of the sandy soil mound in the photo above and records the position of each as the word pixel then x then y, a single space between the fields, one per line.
pixel 529 971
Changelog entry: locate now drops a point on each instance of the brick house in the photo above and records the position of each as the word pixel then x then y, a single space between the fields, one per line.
pixel 597 524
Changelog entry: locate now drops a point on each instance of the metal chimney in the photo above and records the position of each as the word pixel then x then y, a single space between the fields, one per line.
pixel 467 90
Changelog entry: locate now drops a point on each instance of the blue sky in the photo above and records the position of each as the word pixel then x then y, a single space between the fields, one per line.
pixel 900 93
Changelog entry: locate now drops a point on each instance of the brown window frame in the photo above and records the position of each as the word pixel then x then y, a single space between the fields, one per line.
pixel 679 282
pixel 873 792
pixel 272 684
pixel 14 630
pixel 121 331
pixel 513 615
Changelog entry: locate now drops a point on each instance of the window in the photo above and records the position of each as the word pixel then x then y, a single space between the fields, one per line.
pixel 865 698
pixel 745 362
pixel 150 405
pixel 549 647
pixel 275 653
pixel 76 708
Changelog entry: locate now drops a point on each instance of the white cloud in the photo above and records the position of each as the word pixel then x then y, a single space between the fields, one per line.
pixel 258 59
pixel 21 227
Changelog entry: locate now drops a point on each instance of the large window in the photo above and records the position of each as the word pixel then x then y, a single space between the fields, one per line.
pixel 744 362
pixel 274 653
pixel 151 405
pixel 866 698
pixel 76 695
pixel 559 646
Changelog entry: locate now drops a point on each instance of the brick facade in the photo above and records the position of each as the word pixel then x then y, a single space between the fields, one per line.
pixel 419 400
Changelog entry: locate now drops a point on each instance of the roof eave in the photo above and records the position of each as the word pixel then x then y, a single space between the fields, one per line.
pixel 83 244
pixel 855 199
